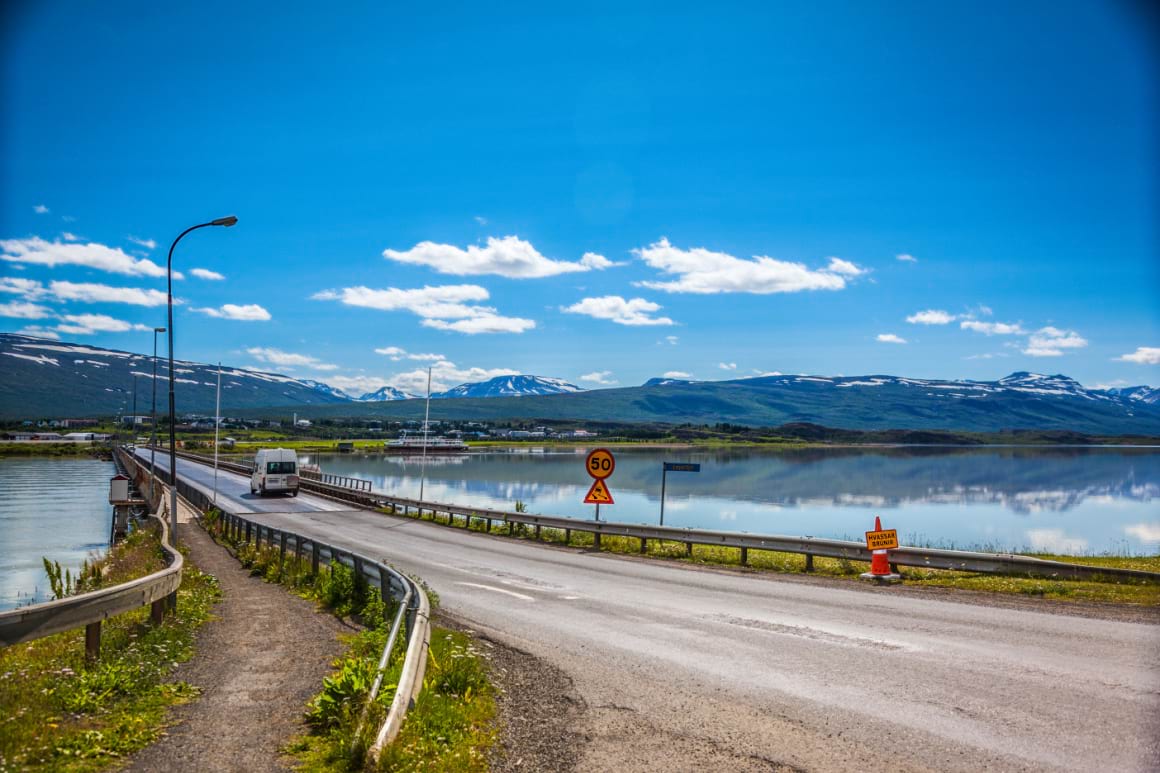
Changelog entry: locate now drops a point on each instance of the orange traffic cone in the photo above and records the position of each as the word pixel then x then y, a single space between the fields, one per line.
pixel 880 562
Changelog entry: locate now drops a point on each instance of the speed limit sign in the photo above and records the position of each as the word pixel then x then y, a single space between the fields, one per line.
pixel 600 463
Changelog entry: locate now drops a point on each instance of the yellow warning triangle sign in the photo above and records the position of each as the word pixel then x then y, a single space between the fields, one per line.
pixel 598 494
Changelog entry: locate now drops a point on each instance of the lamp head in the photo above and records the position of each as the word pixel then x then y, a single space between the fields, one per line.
pixel 226 221
pixel 158 330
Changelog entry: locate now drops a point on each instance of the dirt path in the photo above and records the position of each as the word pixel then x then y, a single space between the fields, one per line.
pixel 257 665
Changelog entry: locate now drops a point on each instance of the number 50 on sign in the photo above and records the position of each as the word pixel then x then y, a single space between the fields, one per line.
pixel 600 463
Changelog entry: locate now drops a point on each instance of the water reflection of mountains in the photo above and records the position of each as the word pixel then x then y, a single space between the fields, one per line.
pixel 1025 480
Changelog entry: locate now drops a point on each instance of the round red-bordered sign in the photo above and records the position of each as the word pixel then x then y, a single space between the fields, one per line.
pixel 600 463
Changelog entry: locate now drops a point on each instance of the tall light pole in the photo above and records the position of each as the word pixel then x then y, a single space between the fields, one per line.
pixel 227 222
pixel 153 440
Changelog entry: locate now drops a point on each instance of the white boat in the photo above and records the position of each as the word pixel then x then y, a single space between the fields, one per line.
pixel 417 443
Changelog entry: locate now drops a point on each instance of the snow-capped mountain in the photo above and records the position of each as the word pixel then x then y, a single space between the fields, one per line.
pixel 667 381
pixel 40 377
pixel 384 394
pixel 326 389
pixel 510 386
pixel 1144 394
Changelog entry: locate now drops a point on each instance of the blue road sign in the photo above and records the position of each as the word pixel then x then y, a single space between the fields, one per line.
pixel 681 467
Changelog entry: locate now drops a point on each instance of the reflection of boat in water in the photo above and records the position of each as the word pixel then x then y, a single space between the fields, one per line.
pixel 415 444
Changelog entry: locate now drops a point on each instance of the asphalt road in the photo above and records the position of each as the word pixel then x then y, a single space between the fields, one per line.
pixel 683 668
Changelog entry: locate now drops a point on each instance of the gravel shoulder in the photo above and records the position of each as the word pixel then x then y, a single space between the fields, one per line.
pixel 257 664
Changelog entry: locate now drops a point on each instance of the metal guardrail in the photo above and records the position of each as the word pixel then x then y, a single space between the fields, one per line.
pixel 415 608
pixel 90 609
pixel 356 484
pixel 929 558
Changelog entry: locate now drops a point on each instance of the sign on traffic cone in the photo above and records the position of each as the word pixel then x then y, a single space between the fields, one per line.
pixel 879 543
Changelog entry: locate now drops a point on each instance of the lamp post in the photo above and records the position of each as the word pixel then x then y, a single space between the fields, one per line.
pixel 226 221
pixel 153 440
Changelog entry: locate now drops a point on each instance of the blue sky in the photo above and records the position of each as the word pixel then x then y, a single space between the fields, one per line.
pixel 604 193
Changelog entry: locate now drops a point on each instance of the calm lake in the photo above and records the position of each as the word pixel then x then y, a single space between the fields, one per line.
pixel 1066 500
pixel 54 508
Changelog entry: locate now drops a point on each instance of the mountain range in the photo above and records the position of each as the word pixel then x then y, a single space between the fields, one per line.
pixel 44 378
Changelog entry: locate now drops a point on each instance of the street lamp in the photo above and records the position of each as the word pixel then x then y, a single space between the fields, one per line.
pixel 226 221
pixel 153 442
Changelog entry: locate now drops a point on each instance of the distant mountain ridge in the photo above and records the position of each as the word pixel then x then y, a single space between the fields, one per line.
pixel 45 378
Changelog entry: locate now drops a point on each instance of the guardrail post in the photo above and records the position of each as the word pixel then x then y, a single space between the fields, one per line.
pixel 157 611
pixel 643 545
pixel 93 641
pixel 297 550
pixel 313 557
pixel 567 536
pixel 689 549
pixel 248 525
pixel 489 526
pixel 744 556
pixel 511 528
pixel 281 548
pixel 596 540
pixel 809 562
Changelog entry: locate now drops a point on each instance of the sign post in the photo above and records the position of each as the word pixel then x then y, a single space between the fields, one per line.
pixel 600 464
pixel 666 468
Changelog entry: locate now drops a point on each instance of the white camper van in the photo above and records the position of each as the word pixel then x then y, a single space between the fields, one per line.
pixel 275 471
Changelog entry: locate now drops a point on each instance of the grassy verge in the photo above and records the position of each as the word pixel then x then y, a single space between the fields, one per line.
pixel 1116 590
pixel 450 728
pixel 58 712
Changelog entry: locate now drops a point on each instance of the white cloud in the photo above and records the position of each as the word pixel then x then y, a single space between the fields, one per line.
pixel 394 352
pixel 69 237
pixel 148 244
pixel 987 356
pixel 992 328
pixel 844 267
pixel 906 258
pixel 1145 532
pixel 602 377
pixel 985 310
pixel 1055 541
pixel 931 317
pixel 508 256
pixel 1144 355
pixel 28 288
pixel 92 255
pixel 283 359
pixel 1051 341
pixel 40 209
pixel 426 357
pixel 24 310
pixel 435 305
pixel 39 332
pixel 677 374
pixel 672 340
pixel 890 338
pixel 88 324
pixel 481 220
pixel 88 292
pixel 250 312
pixel 727 365
pixel 484 323
pixel 205 273
pixel 616 309
pixel 705 272
pixel 595 261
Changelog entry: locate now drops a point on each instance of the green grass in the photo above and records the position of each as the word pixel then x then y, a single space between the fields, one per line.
pixel 451 726
pixel 1110 590
pixel 60 712
pixel 53 449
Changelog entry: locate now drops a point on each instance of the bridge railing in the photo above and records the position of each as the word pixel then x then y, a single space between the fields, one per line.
pixel 929 558
pixel 413 619
pixel 90 609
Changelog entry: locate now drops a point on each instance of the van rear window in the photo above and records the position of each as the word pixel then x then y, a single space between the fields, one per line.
pixel 280 468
